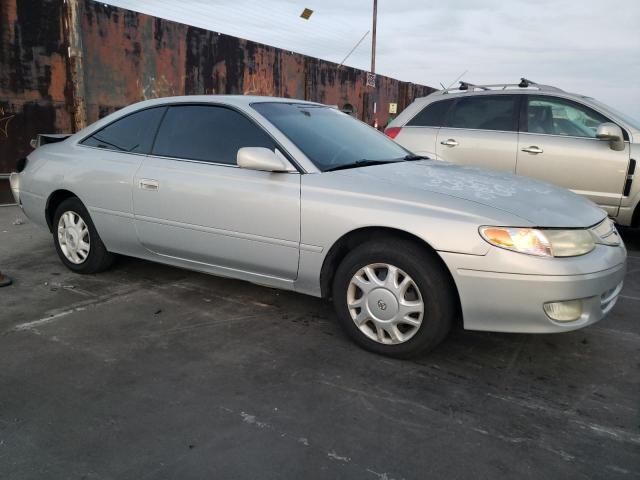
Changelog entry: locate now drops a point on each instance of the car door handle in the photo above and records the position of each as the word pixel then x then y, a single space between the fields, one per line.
pixel 449 143
pixel 146 184
pixel 533 149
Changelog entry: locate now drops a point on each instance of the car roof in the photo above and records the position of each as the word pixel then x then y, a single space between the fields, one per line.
pixel 442 94
pixel 237 100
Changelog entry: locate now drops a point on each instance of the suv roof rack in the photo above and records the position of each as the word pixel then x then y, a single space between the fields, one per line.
pixel 524 83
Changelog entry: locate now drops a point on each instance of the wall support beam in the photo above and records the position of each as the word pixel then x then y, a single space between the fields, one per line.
pixel 75 63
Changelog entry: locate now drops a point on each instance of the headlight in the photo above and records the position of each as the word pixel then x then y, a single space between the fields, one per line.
pixel 543 243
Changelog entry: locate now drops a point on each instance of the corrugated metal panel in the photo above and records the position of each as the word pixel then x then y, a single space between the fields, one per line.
pixel 64 63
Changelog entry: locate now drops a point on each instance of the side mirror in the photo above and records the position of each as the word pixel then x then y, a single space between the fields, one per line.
pixel 260 158
pixel 613 134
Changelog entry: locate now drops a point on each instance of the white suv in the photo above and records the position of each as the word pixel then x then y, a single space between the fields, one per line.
pixel 535 130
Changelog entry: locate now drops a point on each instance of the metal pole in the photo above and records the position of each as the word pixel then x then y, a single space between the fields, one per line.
pixel 373 37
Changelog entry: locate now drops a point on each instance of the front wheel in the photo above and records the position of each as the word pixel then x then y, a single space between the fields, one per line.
pixel 77 242
pixel 394 298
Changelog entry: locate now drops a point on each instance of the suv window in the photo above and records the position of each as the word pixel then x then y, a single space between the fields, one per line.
pixel 556 116
pixel 133 133
pixel 208 133
pixel 485 112
pixel 432 115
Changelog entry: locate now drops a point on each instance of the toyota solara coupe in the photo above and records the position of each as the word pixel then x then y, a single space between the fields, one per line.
pixel 299 196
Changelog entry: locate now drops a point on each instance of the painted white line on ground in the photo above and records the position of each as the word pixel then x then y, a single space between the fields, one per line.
pixel 628 297
pixel 42 321
pixel 76 307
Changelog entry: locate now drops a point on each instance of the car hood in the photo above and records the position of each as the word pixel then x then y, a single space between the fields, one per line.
pixel 539 204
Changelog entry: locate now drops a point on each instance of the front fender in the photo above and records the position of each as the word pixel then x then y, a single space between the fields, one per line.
pixel 446 224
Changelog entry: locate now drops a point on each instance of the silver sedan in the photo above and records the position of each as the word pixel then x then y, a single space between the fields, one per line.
pixel 299 196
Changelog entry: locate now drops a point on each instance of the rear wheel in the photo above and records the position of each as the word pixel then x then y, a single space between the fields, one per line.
pixel 394 298
pixel 77 242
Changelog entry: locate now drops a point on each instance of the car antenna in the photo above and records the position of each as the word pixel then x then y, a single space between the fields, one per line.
pixel 456 80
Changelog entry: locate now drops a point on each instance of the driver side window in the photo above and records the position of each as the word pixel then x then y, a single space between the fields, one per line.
pixel 556 116
pixel 207 133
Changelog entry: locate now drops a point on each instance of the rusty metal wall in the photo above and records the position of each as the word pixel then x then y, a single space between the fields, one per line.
pixel 33 77
pixel 64 64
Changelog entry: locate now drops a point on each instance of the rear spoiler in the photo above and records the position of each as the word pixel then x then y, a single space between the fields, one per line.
pixel 44 138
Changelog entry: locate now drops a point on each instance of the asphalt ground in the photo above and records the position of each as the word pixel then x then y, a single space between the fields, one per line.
pixel 148 371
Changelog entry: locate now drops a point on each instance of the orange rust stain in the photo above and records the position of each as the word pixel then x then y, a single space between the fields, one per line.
pixel 9 12
pixel 219 74
pixel 258 74
pixel 58 78
pixel 170 60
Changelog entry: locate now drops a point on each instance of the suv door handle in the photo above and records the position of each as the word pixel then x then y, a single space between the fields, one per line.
pixel 449 143
pixel 146 184
pixel 533 149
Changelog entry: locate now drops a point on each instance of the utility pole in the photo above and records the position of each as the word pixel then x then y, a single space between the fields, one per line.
pixel 373 37
pixel 371 77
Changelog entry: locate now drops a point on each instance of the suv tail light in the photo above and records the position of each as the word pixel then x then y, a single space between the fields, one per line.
pixel 392 132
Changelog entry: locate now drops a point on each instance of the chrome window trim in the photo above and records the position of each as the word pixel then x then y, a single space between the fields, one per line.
pixel 566 136
pixel 179 159
pixel 205 162
pixel 288 156
pixel 111 150
pixel 476 129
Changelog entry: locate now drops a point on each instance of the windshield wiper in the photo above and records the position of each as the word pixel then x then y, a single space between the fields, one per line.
pixel 412 157
pixel 359 163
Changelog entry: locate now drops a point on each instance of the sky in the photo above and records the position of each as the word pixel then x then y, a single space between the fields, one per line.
pixel 583 46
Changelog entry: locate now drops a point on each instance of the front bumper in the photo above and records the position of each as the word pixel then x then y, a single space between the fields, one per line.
pixel 14 182
pixel 508 301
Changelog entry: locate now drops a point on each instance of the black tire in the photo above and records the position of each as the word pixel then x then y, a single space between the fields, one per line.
pixel 98 259
pixel 431 278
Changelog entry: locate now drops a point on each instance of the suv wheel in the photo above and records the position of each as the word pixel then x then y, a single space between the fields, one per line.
pixel 76 239
pixel 394 298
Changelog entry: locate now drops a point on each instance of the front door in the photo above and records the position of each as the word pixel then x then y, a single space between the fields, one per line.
pixel 193 203
pixel 558 144
pixel 481 131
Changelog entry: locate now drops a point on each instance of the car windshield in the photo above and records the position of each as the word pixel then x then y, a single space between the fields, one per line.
pixel 332 140
pixel 629 120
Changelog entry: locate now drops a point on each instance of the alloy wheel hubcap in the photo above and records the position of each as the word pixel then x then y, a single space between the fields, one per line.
pixel 73 237
pixel 385 303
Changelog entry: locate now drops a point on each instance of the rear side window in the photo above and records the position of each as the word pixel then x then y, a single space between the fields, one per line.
pixel 484 112
pixel 433 115
pixel 207 133
pixel 133 133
